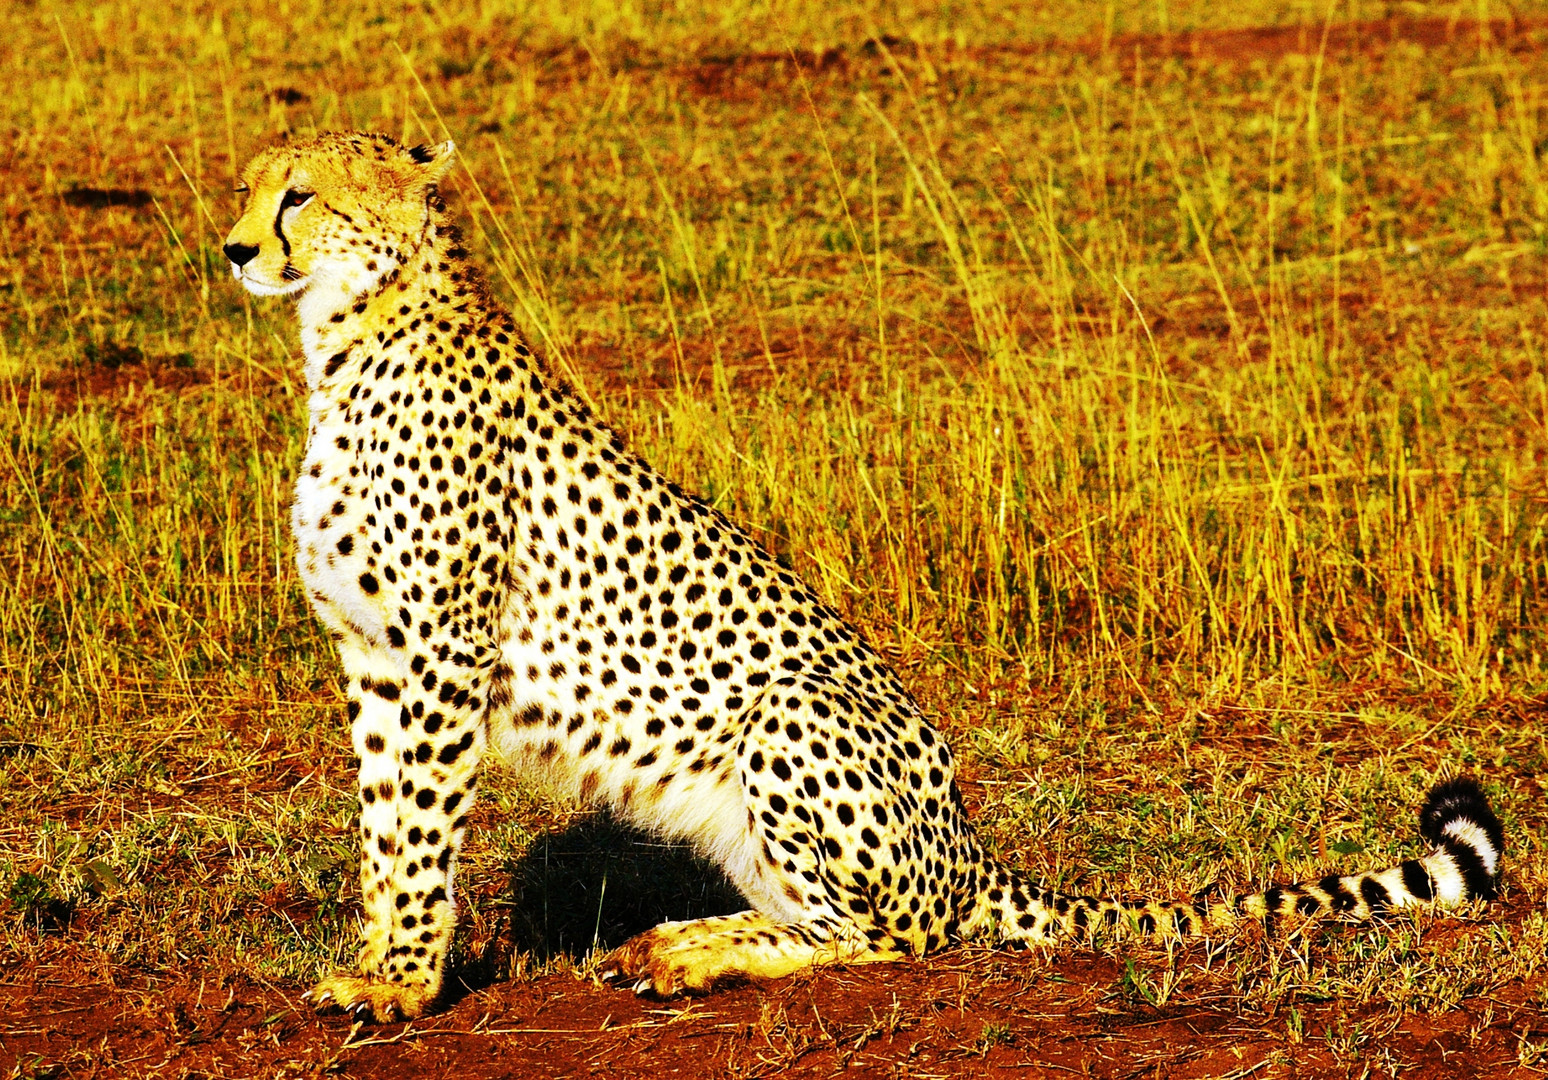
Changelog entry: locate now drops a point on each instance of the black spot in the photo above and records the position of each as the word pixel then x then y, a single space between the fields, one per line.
pixel 452 751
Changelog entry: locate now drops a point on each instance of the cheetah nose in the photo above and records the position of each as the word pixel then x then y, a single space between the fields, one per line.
pixel 240 254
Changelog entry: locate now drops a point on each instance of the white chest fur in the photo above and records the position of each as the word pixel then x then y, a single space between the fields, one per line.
pixel 330 516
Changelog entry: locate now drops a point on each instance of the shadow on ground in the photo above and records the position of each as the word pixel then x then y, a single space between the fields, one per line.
pixel 593 884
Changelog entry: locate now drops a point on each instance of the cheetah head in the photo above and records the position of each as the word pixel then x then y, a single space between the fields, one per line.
pixel 333 214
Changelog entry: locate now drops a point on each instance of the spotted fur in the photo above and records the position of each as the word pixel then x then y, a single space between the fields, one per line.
pixel 497 568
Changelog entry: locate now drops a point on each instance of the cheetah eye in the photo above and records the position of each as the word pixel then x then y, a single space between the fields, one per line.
pixel 295 198
pixel 240 189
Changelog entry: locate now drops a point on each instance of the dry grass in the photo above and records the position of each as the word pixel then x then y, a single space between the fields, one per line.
pixel 1172 409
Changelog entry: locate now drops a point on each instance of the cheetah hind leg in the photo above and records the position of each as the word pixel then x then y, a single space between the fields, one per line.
pixel 690 957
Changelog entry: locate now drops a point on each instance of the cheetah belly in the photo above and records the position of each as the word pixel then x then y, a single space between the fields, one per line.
pixel 706 809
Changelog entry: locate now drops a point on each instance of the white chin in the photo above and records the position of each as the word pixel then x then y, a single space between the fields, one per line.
pixel 263 288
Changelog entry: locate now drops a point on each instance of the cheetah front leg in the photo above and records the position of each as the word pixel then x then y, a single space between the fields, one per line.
pixel 419 732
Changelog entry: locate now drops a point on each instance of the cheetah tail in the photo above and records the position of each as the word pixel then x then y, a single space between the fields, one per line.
pixel 1464 865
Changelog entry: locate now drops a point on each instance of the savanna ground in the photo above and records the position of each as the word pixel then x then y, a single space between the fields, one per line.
pixel 1162 386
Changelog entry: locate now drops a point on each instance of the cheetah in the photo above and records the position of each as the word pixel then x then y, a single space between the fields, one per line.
pixel 498 571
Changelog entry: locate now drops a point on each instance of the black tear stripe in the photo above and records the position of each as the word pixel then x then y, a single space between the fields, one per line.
pixel 279 232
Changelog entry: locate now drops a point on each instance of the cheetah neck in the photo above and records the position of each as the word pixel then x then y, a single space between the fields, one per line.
pixel 341 311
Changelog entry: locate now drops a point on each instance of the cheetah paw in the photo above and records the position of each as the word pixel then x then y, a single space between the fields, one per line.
pixel 368 999
pixel 651 967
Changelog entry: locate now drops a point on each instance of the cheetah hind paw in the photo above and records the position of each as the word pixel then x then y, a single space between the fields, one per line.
pixel 368 999
pixel 642 965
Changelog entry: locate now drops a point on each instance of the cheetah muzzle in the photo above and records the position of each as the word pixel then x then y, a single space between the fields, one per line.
pixel 495 567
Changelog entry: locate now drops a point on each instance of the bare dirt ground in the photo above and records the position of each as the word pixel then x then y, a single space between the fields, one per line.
pixel 964 1014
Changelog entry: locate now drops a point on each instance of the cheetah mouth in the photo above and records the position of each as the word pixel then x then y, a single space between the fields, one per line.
pixel 264 288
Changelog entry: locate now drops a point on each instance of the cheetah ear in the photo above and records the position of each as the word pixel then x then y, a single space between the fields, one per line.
pixel 437 160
